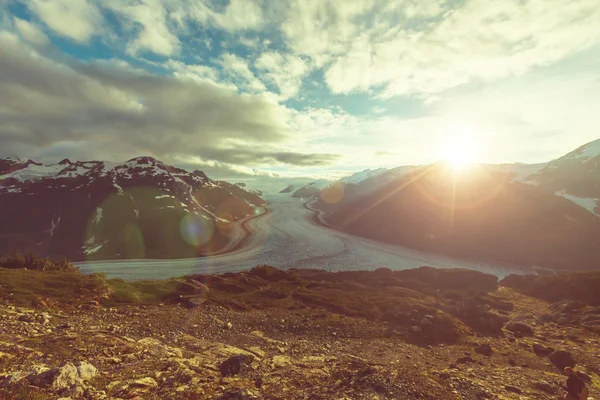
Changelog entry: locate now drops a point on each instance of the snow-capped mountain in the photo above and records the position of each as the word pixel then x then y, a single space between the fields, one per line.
pixel 576 173
pixel 288 189
pixel 311 188
pixel 362 175
pixel 95 209
pixel 575 176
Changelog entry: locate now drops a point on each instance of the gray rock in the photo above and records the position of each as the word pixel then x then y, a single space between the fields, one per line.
pixel 57 378
pixel 86 371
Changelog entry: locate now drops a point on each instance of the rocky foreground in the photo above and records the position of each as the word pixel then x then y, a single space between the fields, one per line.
pixel 269 334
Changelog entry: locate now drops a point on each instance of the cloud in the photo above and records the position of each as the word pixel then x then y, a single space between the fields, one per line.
pixel 31 32
pixel 114 111
pixel 477 41
pixel 240 73
pixel 78 20
pixel 284 71
pixel 147 19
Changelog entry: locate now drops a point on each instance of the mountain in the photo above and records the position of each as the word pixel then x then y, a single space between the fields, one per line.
pixel 288 189
pixel 483 214
pixel 142 208
pixel 362 175
pixel 311 188
pixel 575 176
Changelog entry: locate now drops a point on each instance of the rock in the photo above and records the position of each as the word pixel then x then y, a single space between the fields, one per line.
pixel 562 359
pixel 563 320
pixel 237 394
pixel 229 326
pixel 57 378
pixel 86 371
pixel 416 329
pixel 281 361
pixel 26 318
pixel 544 387
pixel 519 327
pixel 566 306
pixel 484 349
pixel 146 382
pixel 513 389
pixel 233 365
pixel 426 322
pixel 541 351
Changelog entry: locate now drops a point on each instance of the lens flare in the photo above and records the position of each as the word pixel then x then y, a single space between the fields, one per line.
pixel 196 230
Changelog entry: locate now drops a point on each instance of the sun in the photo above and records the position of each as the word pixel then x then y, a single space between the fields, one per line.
pixel 461 153
pixel 459 148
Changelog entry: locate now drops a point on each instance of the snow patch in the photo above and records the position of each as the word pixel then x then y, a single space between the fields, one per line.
pixel 163 196
pixel 589 204
pixel 53 227
pixel 34 172
pixel 93 249
pixel 588 151
pixel 98 216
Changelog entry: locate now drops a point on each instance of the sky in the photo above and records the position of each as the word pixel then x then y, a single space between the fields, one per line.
pixel 253 89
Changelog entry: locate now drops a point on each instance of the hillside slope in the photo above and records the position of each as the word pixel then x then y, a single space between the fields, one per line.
pixel 97 210
pixel 481 214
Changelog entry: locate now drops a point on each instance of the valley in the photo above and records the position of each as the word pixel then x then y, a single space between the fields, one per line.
pixel 287 237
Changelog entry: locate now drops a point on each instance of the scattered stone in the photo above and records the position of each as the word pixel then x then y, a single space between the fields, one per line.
pixel 229 325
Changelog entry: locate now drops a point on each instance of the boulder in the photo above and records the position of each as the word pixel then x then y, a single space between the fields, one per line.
pixel 519 327
pixel 57 378
pixel 86 371
pixel 541 351
pixel 233 365
pixel 562 359
pixel 484 349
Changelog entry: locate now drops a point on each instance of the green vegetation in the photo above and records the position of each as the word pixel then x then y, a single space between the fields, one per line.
pixel 30 287
pixel 33 262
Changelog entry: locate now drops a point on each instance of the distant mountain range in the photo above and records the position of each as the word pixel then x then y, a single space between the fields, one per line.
pixel 541 214
pixel 142 208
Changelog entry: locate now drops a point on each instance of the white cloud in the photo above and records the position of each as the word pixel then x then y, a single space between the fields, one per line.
pixel 237 15
pixel 478 41
pixel 148 20
pixel 284 71
pixel 78 20
pixel 237 69
pixel 31 32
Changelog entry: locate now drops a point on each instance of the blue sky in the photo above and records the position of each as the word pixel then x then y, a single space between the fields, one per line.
pixel 250 88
